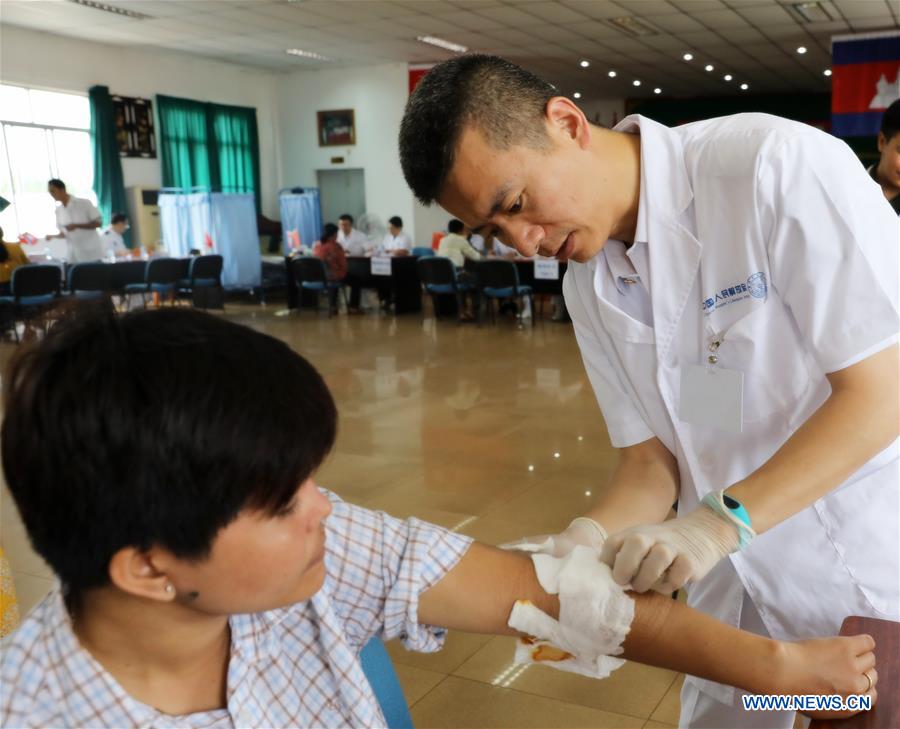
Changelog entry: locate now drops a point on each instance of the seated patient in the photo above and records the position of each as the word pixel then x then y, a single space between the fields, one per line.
pixel 163 464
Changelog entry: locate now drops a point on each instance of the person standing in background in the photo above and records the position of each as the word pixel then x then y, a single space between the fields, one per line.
pixel 77 220
pixel 887 172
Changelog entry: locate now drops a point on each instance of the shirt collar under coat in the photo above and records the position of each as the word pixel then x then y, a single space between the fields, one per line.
pixel 665 222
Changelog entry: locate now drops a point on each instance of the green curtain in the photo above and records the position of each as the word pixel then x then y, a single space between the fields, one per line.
pixel 184 142
pixel 208 145
pixel 109 185
pixel 234 156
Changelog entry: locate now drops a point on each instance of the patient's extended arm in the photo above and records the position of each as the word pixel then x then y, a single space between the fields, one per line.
pixel 479 593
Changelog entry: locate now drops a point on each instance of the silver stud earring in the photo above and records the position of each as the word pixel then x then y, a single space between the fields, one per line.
pixel 169 588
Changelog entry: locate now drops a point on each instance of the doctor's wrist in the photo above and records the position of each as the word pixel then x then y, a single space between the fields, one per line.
pixel 732 511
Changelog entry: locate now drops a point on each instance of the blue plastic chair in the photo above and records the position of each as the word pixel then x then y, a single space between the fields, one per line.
pixel 33 288
pixel 500 280
pixel 376 664
pixel 89 281
pixel 422 252
pixel 310 274
pixel 438 277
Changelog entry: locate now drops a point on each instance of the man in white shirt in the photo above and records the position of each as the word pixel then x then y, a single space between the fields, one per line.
pixel 113 240
pixel 396 242
pixel 77 220
pixel 455 246
pixel 733 287
pixel 354 242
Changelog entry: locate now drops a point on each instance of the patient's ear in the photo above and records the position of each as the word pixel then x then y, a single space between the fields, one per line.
pixel 133 571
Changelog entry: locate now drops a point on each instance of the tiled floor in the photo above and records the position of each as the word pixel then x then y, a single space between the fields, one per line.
pixel 492 431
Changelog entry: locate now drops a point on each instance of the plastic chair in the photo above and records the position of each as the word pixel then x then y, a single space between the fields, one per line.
pixel 32 288
pixel 204 274
pixel 422 252
pixel 500 280
pixel 89 281
pixel 376 664
pixel 438 277
pixel 310 274
pixel 161 276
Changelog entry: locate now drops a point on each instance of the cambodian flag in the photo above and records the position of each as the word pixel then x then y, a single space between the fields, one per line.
pixel 865 81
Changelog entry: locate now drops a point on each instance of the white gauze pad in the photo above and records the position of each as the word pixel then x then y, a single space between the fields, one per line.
pixel 595 615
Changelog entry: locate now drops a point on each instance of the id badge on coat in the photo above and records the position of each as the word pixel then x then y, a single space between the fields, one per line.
pixel 712 397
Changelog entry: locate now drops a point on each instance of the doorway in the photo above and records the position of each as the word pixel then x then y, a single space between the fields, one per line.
pixel 342 191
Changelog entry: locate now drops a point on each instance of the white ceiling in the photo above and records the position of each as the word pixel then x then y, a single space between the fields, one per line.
pixel 754 40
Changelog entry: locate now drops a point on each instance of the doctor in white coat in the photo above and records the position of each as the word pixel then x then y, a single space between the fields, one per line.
pixel 733 286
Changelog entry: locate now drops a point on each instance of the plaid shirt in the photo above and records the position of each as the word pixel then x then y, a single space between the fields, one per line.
pixel 293 667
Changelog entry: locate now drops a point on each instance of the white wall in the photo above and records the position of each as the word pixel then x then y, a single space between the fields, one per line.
pixel 67 64
pixel 378 95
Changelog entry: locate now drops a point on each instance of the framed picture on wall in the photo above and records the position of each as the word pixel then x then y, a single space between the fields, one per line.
pixel 134 127
pixel 337 128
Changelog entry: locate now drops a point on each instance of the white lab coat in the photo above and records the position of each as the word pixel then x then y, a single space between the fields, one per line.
pixel 391 243
pixel 355 244
pixel 769 236
pixel 84 244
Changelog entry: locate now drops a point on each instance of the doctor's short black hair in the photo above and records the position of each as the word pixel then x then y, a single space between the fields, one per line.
pixel 396 221
pixel 154 428
pixel 506 102
pixel 890 121
pixel 58 184
pixel 347 217
pixel 118 218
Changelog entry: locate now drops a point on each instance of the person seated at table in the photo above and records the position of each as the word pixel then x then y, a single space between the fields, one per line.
pixel 11 257
pixel 113 240
pixel 354 242
pixel 205 579
pixel 395 241
pixel 330 251
pixel 455 246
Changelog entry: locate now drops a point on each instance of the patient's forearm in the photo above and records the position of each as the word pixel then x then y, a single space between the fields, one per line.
pixel 667 634
pixel 477 595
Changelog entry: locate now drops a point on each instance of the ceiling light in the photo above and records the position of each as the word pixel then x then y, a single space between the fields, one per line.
pixel 441 43
pixel 111 9
pixel 801 50
pixel 576 95
pixel 688 56
pixel 812 12
pixel 657 90
pixel 556 455
pixel 708 67
pixel 307 54
pixel 728 77
pixel 744 87
pixel 636 82
pixel 634 27
pixel 585 64
pixel 611 74
pixel 827 72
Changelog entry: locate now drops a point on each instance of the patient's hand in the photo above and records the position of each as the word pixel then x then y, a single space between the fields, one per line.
pixel 829 666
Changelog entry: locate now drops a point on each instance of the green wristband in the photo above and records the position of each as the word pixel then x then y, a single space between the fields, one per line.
pixel 733 510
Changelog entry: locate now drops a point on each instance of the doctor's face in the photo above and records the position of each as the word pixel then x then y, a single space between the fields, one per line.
pixel 540 201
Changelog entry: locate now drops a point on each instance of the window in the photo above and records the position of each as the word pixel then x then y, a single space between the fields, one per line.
pixel 44 134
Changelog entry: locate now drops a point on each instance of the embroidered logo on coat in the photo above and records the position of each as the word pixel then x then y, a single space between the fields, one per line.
pixel 756 286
